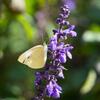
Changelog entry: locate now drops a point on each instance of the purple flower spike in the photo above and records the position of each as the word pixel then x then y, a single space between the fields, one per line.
pixel 46 80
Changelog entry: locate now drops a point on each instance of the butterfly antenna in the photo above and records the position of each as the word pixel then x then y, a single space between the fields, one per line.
pixel 42 37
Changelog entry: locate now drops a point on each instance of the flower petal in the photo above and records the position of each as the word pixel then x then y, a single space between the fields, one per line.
pixel 69 55
pixel 62 57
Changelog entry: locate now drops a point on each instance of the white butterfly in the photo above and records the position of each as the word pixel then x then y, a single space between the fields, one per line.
pixel 35 57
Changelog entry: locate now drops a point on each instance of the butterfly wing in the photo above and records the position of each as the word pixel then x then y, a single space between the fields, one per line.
pixel 35 57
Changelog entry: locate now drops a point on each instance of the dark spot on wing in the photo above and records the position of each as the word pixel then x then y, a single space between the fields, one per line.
pixel 28 57
pixel 24 61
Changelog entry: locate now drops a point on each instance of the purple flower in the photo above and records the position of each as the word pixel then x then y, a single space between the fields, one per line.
pixel 53 43
pixel 38 78
pixel 60 74
pixel 62 57
pixel 70 31
pixel 53 89
pixel 70 3
pixel 58 52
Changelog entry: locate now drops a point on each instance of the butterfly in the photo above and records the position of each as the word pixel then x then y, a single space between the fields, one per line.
pixel 35 57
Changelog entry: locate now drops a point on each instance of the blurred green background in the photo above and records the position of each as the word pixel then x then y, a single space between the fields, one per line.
pixel 23 23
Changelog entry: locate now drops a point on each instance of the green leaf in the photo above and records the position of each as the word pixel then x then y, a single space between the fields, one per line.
pixel 31 31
